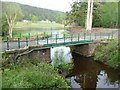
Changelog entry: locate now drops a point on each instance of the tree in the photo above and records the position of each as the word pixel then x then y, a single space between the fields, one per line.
pixel 79 11
pixel 34 18
pixel 11 13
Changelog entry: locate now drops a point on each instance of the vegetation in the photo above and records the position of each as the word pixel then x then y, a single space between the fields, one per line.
pixel 32 75
pixel 105 14
pixel 11 13
pixel 60 62
pixel 38 25
pixel 109 53
pixel 34 13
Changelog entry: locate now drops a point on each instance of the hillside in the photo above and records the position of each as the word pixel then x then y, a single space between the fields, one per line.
pixel 41 13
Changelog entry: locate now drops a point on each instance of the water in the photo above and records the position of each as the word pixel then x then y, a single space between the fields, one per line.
pixel 54 31
pixel 87 73
pixel 90 74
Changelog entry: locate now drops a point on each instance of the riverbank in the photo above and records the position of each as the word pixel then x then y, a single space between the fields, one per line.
pixel 108 54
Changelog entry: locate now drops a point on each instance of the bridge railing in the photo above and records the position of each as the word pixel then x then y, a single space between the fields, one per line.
pixel 20 43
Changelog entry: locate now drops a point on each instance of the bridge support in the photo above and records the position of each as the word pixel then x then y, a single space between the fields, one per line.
pixel 85 50
pixel 22 55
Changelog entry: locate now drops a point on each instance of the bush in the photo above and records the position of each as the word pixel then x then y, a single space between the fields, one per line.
pixel 41 75
pixel 60 62
pixel 110 53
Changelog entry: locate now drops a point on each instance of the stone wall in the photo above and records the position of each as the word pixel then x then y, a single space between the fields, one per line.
pixel 29 53
pixel 85 50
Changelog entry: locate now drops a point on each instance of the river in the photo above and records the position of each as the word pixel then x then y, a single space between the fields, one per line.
pixel 88 73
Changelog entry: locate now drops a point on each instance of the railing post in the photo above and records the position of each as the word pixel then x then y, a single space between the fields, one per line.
pixel 37 39
pixel 7 43
pixel 64 38
pixel 56 39
pixel 5 36
pixel 90 36
pixel 26 41
pixel 108 35
pixel 100 35
pixel 95 35
pixel 71 38
pixel 18 42
pixel 112 34
pixel 78 36
pixel 12 36
pixel 47 39
pixel 84 35
pixel 29 35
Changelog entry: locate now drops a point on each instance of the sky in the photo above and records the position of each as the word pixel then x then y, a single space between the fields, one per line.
pixel 59 5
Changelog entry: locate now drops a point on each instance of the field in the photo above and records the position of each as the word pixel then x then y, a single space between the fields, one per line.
pixel 38 25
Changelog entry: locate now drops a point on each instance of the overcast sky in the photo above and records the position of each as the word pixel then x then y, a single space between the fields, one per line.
pixel 59 5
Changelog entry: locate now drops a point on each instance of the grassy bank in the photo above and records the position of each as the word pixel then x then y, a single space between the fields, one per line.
pixel 38 24
pixel 33 75
pixel 109 54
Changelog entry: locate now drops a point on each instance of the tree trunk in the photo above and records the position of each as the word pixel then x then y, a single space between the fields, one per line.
pixel 10 31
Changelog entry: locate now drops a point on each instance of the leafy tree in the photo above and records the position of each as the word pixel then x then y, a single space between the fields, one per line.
pixel 34 18
pixel 11 13
pixel 79 11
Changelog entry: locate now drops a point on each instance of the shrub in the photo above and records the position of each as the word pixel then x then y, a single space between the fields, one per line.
pixel 109 52
pixel 60 62
pixel 41 75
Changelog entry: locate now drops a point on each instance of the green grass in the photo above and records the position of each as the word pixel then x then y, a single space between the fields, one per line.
pixel 38 24
pixel 109 53
pixel 29 75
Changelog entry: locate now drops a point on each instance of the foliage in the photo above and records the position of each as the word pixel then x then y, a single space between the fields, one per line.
pixel 41 13
pixel 105 14
pixel 41 75
pixel 11 12
pixel 60 62
pixel 109 53
pixel 78 13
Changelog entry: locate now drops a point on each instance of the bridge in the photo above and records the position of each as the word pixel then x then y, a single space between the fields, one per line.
pixel 57 40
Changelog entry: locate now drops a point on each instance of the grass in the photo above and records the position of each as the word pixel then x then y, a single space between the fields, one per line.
pixel 109 54
pixel 38 24
pixel 32 75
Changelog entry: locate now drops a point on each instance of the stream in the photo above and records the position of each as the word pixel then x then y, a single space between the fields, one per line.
pixel 88 73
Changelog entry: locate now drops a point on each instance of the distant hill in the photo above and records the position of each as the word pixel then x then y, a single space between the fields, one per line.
pixel 41 13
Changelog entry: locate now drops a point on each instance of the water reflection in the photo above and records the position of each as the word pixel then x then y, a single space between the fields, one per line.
pixel 66 50
pixel 89 74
